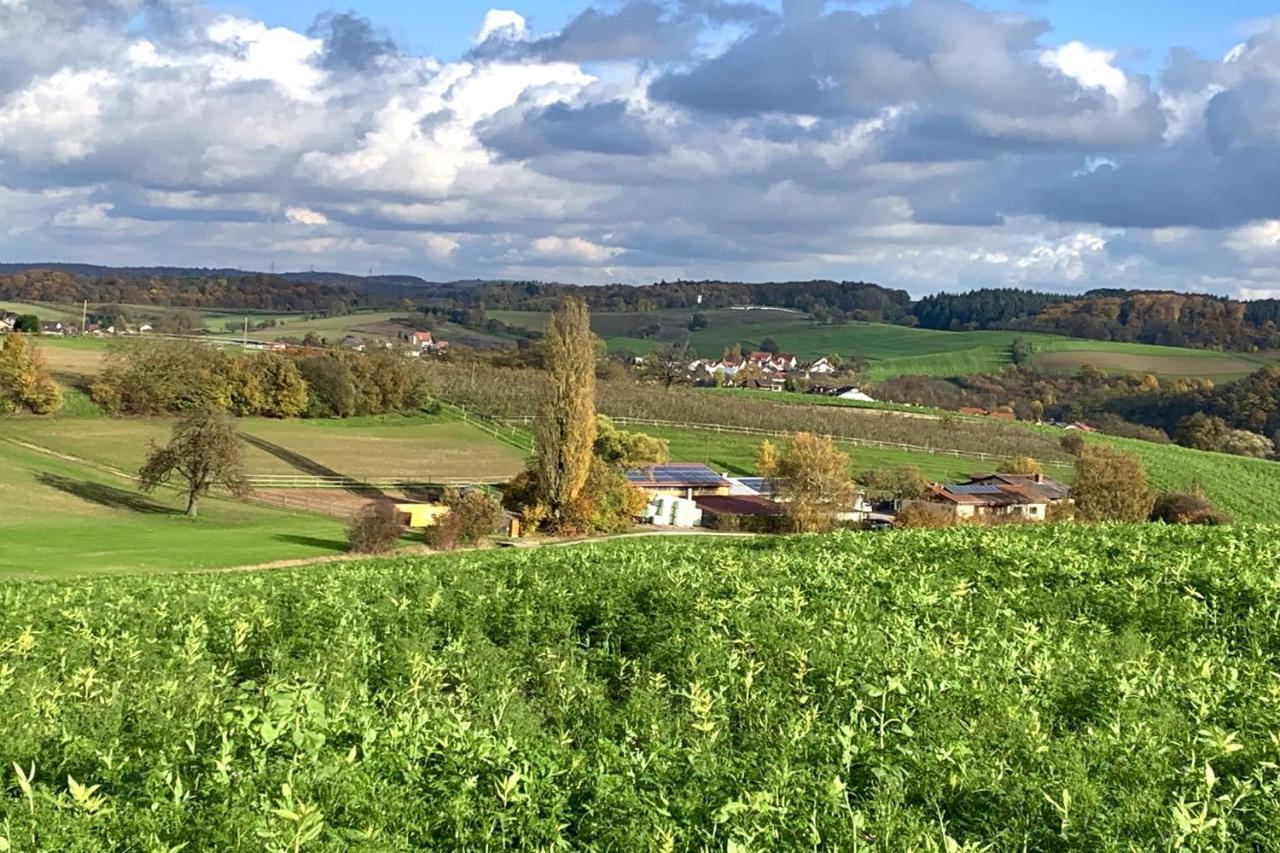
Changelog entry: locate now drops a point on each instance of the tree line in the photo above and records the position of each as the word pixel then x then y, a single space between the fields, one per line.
pixel 255 291
pixel 1150 317
pixel 159 376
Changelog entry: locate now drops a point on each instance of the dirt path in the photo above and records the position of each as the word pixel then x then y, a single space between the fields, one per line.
pixel 423 551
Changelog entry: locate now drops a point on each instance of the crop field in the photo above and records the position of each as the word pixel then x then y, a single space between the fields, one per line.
pixel 1048 688
pixel 412 447
pixel 58 519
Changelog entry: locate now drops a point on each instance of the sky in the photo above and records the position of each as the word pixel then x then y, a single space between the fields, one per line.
pixel 923 144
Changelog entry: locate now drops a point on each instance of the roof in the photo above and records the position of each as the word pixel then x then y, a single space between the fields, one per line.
pixel 676 475
pixel 759 485
pixel 737 505
pixel 1002 490
pixel 1034 485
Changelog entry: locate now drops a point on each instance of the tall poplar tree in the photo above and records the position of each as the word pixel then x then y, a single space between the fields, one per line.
pixel 566 425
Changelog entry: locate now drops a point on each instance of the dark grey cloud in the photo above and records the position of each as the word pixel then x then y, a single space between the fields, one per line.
pixel 982 70
pixel 351 43
pixel 601 128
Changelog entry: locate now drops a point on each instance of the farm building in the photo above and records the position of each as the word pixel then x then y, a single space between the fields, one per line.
pixel 739 512
pixel 682 479
pixel 1025 497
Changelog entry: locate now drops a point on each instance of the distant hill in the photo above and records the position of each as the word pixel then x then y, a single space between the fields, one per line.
pixel 382 284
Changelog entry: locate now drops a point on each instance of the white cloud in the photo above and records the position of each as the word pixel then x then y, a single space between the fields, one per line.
pixel 305 216
pixel 503 23
pixel 1093 68
pixel 573 249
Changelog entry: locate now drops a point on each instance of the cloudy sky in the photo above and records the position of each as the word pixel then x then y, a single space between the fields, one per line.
pixel 933 144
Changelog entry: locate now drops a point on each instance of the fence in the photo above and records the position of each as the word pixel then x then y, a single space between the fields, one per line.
pixel 305 481
pixel 766 433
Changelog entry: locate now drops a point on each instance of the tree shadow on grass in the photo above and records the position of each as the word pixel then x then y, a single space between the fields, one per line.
pixel 312 541
pixel 307 465
pixel 103 495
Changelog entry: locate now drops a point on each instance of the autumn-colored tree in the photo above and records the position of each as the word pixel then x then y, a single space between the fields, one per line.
pixel 1072 442
pixel 267 384
pixel 203 452
pixel 1110 486
pixel 24 380
pixel 811 480
pixel 766 458
pixel 1020 465
pixel 566 422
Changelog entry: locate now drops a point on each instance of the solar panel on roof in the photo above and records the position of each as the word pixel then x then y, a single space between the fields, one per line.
pixel 975 489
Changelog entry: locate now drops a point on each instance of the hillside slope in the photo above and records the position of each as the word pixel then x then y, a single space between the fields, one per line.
pixel 1046 688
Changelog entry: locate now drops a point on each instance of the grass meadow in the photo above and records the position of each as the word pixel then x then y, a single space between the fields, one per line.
pixel 61 519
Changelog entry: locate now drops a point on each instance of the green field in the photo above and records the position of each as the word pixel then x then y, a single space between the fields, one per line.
pixel 59 519
pixel 890 351
pixel 410 447
pixel 1047 688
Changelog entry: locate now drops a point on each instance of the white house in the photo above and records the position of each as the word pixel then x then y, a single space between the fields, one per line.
pixel 821 367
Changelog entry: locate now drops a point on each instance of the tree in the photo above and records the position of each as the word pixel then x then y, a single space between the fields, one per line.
pixel 811 480
pixel 628 449
pixel 769 345
pixel 203 452
pixel 566 423
pixel 1203 432
pixel 667 365
pixel 1020 465
pixel 1241 442
pixel 1019 352
pixel 24 380
pixel 267 384
pixel 766 458
pixel 1111 486
pixel 697 322
pixel 27 324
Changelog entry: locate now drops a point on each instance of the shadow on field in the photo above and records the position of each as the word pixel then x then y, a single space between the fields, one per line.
pixel 307 465
pixel 108 496
pixel 312 541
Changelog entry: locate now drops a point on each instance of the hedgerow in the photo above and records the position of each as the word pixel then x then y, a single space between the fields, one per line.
pixel 1046 688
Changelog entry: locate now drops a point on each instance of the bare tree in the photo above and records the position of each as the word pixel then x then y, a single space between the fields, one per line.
pixel 667 365
pixel 203 452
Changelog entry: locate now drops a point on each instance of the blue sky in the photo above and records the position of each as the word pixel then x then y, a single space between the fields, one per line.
pixel 926 144
pixel 1144 29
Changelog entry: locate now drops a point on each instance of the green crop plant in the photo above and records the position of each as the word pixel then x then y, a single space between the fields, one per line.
pixel 1054 687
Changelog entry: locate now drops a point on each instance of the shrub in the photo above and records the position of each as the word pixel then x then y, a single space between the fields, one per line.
pixel 375 528
pixel 473 514
pixel 921 515
pixel 24 379
pixel 1187 508
pixel 1021 465
pixel 1072 442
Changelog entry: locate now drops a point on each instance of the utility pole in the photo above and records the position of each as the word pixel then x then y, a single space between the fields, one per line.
pixel 244 342
pixel 84 316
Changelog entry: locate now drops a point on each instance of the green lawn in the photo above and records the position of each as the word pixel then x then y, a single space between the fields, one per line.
pixel 60 519
pixel 417 447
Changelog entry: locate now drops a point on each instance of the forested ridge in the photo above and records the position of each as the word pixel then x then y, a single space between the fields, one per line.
pixel 1138 316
